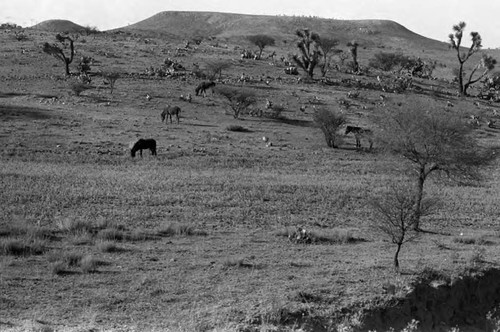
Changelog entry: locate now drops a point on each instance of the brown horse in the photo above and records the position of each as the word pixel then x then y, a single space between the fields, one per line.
pixel 143 144
pixel 169 111
pixel 203 87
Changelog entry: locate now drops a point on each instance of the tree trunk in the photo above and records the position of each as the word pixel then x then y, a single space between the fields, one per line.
pixel 396 261
pixel 66 63
pixel 461 80
pixel 418 199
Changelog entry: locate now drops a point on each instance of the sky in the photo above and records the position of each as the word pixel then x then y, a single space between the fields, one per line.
pixel 430 18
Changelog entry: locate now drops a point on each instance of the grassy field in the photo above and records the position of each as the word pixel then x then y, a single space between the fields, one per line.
pixel 196 239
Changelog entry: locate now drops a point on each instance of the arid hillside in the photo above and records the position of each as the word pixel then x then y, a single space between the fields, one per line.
pixel 261 208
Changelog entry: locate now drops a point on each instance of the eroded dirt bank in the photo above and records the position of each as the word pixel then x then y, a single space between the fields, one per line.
pixel 439 305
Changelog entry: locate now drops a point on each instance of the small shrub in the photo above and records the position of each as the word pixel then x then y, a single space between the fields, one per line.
pixel 73 258
pixel 329 122
pixel 138 235
pixel 78 87
pixel 275 112
pixel 58 268
pixel 477 257
pixel 112 234
pixel 233 261
pixel 74 226
pixel 17 247
pixel 477 240
pixel 107 246
pixel 177 229
pixel 88 264
pixel 237 128
pixel 386 61
pixel 338 236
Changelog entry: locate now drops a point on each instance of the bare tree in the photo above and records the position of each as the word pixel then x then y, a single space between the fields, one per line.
pixel 329 122
pixel 58 52
pixel 239 99
pixel 393 216
pixel 327 47
pixel 110 78
pixel 434 142
pixel 310 49
pixel 486 61
pixel 261 41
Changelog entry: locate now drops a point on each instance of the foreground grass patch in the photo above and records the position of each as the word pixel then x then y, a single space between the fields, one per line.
pixel 180 229
pixel 326 236
pixel 22 247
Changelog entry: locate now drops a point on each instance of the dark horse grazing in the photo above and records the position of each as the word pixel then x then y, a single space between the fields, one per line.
pixel 169 111
pixel 203 87
pixel 360 133
pixel 143 144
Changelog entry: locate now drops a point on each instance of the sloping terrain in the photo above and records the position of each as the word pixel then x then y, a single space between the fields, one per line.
pixel 196 238
pixel 368 33
pixel 58 26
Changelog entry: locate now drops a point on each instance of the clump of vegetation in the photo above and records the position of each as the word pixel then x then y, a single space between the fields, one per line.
pixel 477 240
pixel 387 61
pixel 173 229
pixel 239 99
pixel 107 246
pixel 88 264
pixel 214 69
pixel 112 234
pixel 237 128
pixel 326 236
pixel 275 112
pixel 74 226
pixel 329 122
pixel 58 268
pixel 22 247
pixel 78 87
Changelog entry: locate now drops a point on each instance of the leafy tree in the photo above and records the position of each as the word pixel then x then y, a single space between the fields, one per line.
pixel 239 99
pixel 327 46
pixel 214 68
pixel 434 142
pixel 394 217
pixel 90 30
pixel 261 41
pixel 486 61
pixel 329 122
pixel 310 49
pixel 353 48
pixel 58 53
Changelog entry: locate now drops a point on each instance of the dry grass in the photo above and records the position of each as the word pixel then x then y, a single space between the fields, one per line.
pixel 207 220
pixel 173 229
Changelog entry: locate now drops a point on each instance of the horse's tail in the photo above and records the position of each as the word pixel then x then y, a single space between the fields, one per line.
pixel 197 89
pixel 163 114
